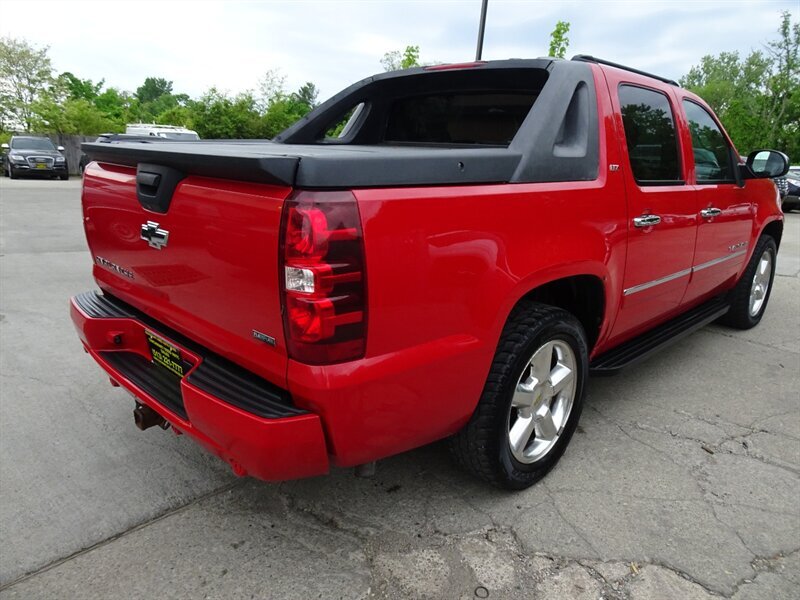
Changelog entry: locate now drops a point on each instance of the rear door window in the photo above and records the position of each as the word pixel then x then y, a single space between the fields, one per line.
pixel 650 136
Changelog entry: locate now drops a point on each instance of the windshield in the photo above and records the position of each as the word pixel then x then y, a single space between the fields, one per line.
pixel 794 174
pixel 175 135
pixel 32 144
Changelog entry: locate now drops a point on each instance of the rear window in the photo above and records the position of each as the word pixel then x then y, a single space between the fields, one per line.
pixel 485 118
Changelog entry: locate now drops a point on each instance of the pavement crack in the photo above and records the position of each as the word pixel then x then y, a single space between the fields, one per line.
pixel 323 519
pixel 762 564
pixel 168 513
pixel 569 523
pixel 660 451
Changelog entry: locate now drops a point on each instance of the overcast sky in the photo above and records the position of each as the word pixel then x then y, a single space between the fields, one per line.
pixel 199 44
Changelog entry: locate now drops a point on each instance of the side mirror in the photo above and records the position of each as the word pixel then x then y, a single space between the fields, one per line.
pixel 60 148
pixel 767 164
pixel 5 146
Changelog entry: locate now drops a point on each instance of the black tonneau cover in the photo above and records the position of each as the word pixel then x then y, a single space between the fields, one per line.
pixel 557 141
pixel 317 166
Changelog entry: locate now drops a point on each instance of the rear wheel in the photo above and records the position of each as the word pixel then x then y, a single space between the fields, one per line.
pixel 532 399
pixel 750 296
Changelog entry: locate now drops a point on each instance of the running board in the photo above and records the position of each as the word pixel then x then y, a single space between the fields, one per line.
pixel 641 347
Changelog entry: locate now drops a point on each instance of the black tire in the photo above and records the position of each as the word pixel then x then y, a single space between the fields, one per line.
pixel 739 316
pixel 64 177
pixel 11 173
pixel 482 446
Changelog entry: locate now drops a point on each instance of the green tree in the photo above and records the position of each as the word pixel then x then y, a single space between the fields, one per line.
pixel 397 60
pixel 282 113
pixel 177 115
pixel 25 71
pixel 80 88
pixel 152 89
pixel 215 115
pixel 307 95
pixel 783 109
pixel 278 108
pixel 559 40
pixel 271 87
pixel 73 116
pixel 116 105
pixel 757 98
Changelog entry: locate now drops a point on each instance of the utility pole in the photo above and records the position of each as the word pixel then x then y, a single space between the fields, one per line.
pixel 481 29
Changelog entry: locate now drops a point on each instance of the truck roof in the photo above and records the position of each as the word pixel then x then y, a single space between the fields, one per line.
pixel 608 63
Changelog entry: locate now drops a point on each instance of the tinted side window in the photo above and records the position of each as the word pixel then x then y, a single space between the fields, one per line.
pixel 650 135
pixel 712 156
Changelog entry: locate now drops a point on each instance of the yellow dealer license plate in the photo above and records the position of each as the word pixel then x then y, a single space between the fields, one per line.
pixel 41 165
pixel 165 354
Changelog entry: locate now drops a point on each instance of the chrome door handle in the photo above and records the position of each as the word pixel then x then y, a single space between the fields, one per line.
pixel 707 213
pixel 646 221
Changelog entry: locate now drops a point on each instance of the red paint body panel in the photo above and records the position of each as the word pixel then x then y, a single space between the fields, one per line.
pixel 444 268
pixel 217 279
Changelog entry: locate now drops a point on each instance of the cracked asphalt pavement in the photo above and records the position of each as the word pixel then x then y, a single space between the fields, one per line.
pixel 683 480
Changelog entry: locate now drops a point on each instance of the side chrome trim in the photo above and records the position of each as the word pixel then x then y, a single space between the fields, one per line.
pixel 679 274
pixel 655 282
pixel 717 261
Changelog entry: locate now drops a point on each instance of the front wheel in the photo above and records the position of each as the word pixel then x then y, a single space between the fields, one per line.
pixel 532 399
pixel 750 296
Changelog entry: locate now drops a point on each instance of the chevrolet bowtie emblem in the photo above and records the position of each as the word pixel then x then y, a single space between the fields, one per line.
pixel 155 237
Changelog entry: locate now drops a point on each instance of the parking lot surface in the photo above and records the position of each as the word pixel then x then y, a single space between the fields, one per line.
pixel 683 480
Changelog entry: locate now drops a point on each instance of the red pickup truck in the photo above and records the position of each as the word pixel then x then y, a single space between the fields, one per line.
pixel 446 251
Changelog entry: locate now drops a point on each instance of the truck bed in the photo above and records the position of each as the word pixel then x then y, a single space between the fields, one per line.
pixel 515 121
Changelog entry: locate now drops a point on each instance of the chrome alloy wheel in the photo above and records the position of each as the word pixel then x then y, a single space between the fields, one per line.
pixel 542 401
pixel 761 281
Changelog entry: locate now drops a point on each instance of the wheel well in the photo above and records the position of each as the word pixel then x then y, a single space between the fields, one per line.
pixel 580 295
pixel 775 230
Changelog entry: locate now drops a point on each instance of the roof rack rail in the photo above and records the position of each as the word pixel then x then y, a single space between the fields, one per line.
pixel 600 61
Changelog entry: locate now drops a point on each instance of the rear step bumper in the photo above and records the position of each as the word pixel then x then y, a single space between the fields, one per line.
pixel 240 417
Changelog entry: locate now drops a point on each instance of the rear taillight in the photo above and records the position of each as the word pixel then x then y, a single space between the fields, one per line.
pixel 323 278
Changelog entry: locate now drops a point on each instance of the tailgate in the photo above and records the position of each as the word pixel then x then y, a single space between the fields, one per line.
pixel 209 265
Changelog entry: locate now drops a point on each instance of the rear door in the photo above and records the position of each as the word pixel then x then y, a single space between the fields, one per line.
pixel 662 208
pixel 724 211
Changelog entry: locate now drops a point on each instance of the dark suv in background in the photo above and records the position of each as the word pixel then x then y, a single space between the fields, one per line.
pixel 31 155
